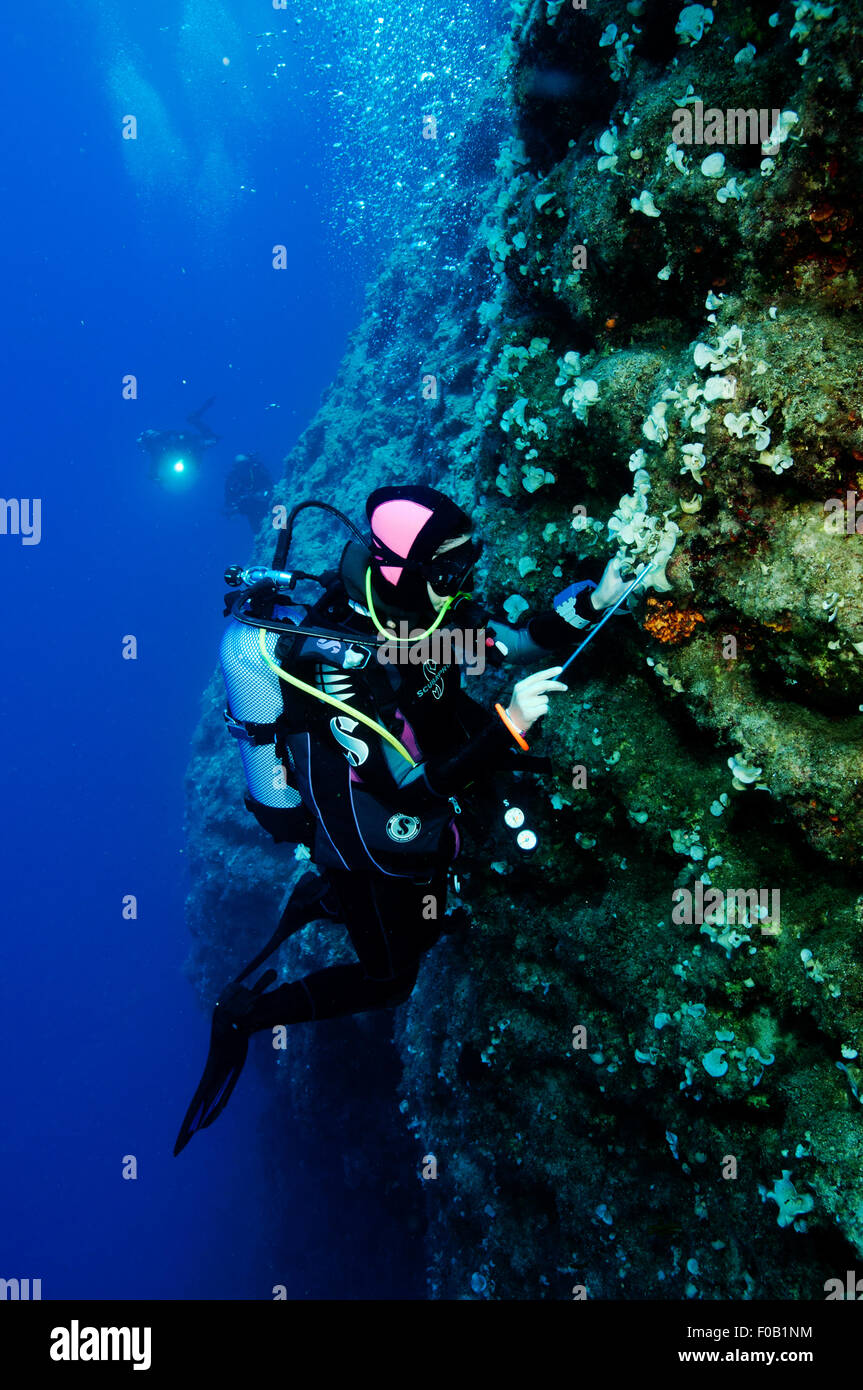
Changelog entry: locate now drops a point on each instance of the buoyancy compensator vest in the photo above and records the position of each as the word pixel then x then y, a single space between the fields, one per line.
pixel 263 626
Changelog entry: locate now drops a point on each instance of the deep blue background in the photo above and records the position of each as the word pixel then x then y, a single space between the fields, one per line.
pixel 153 258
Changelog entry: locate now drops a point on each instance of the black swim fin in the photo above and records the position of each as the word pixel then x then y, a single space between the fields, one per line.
pixel 196 419
pixel 310 900
pixel 229 1043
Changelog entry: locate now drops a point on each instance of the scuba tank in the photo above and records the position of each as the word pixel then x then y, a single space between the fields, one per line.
pixel 254 704
pixel 256 717
pixel 260 613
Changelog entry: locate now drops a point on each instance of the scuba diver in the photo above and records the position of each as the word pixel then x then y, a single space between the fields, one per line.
pixel 175 455
pixel 248 489
pixel 365 759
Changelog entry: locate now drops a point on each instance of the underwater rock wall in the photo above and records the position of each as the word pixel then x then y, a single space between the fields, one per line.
pixel 648 347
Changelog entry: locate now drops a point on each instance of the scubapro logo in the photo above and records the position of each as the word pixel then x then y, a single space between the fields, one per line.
pixel 355 750
pixel 401 827
pixel 434 674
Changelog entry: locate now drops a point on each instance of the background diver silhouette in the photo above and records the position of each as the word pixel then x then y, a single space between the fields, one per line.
pixel 248 489
pixel 420 554
pixel 178 452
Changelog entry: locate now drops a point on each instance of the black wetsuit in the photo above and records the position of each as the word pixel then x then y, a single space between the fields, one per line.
pixel 385 831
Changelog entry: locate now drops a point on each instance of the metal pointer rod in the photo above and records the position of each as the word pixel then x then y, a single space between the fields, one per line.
pixel 627 591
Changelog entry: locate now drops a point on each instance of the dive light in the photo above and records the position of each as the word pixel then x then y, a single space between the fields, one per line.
pixel 177 470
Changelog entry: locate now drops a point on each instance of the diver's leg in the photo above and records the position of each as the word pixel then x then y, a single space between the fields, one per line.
pixel 390 928
pixel 311 899
pixel 391 921
pixel 332 993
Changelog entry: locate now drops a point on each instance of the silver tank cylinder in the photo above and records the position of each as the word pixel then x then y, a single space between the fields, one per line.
pixel 254 695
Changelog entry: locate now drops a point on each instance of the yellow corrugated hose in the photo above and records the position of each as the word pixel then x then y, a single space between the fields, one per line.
pixel 330 700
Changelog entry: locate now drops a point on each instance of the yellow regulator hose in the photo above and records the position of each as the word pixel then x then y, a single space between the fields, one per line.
pixel 330 700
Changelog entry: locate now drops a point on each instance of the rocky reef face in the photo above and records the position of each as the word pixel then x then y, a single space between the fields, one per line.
pixel 638 1069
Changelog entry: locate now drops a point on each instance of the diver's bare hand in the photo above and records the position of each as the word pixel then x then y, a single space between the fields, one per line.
pixel 530 697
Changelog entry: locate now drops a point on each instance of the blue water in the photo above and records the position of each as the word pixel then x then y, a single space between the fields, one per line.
pixel 153 257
